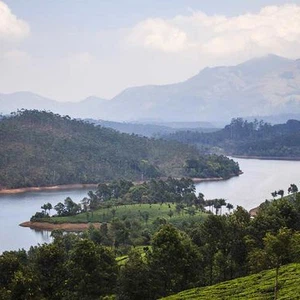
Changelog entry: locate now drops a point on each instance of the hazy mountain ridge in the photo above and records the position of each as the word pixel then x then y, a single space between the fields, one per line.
pixel 263 86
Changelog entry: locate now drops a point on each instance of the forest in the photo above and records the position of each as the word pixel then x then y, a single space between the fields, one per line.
pixel 107 263
pixel 245 138
pixel 40 148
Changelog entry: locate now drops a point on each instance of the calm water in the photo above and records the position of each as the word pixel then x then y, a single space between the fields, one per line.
pixel 15 209
pixel 260 178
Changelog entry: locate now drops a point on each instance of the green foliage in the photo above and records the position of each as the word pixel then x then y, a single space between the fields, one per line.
pixel 245 138
pixel 258 286
pixel 40 148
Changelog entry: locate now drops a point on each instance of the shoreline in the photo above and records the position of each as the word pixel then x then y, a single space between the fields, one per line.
pixel 63 226
pixel 48 188
pixel 266 157
pixel 88 185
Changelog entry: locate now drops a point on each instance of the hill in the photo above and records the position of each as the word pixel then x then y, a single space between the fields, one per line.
pixel 257 286
pixel 39 148
pixel 245 138
pixel 87 108
pixel 265 86
pixel 154 129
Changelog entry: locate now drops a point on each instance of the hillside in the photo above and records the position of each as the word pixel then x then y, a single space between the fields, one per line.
pixel 265 86
pixel 257 286
pixel 245 138
pixel 39 148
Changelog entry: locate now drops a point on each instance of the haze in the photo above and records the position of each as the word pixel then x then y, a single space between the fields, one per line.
pixel 69 50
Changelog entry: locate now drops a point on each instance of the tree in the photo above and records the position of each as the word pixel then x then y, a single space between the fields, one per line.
pixel 281 193
pixel 49 265
pixel 60 208
pixel 293 189
pixel 92 271
pixel 274 194
pixel 135 280
pixel 174 261
pixel 277 249
pixel 229 206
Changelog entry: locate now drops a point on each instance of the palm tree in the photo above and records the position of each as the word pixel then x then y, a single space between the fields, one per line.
pixel 281 193
pixel 293 189
pixel 229 206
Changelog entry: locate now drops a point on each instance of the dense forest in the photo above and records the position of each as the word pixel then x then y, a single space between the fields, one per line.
pixel 241 137
pixel 39 148
pixel 91 265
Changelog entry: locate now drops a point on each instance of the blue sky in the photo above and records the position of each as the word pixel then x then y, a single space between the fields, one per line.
pixel 69 50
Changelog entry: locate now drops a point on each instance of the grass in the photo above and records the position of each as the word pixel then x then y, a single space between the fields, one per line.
pixel 130 212
pixel 258 287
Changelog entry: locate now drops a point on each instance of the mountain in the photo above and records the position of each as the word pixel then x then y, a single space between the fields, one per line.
pixel 87 108
pixel 264 86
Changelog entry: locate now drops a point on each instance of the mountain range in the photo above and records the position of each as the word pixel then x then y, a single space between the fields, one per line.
pixel 264 86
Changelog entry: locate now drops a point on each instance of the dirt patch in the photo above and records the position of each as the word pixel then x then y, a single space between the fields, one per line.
pixel 63 226
pixel 48 188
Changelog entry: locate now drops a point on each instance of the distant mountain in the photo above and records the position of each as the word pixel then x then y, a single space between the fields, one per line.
pixel 87 108
pixel 154 130
pixel 265 86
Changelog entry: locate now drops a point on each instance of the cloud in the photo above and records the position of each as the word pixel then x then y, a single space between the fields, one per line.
pixel 158 34
pixel 11 28
pixel 274 29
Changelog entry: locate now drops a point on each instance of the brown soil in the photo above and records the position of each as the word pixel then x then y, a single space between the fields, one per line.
pixel 48 188
pixel 63 226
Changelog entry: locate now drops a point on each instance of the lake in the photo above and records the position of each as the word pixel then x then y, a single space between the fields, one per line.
pixel 260 178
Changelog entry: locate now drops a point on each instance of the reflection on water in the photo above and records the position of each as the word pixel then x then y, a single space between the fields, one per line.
pixel 43 235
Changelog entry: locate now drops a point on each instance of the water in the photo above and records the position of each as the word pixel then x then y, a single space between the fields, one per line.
pixel 260 178
pixel 15 209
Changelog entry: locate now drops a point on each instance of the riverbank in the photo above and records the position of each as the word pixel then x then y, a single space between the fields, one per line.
pixel 89 185
pixel 64 226
pixel 48 188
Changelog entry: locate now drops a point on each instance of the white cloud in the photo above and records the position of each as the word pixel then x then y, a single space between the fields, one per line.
pixel 159 34
pixel 11 28
pixel 273 29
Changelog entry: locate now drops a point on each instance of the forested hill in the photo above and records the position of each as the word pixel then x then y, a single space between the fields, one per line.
pixel 241 137
pixel 39 148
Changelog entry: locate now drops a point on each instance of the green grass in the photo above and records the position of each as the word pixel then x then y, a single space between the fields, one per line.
pixel 258 286
pixel 131 212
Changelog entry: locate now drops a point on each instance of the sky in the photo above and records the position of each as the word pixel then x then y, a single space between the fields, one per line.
pixel 68 50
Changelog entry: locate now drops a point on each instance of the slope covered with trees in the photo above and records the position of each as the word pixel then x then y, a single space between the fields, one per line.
pixel 92 265
pixel 39 148
pixel 255 138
